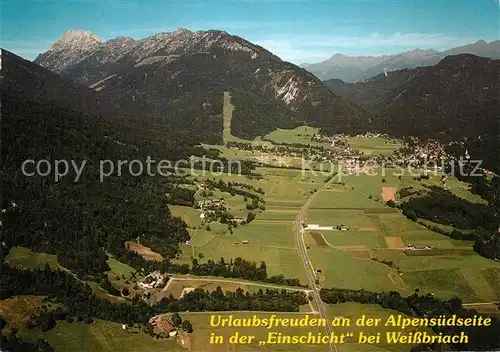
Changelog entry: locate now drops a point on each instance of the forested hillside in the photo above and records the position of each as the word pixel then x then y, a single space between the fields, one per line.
pixel 44 117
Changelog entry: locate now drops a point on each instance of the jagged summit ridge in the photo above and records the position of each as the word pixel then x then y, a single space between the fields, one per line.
pixel 171 70
pixel 76 38
pixel 76 46
pixel 76 34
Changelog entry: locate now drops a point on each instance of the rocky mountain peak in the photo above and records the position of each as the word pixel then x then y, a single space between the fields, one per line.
pixel 182 31
pixel 72 47
pixel 166 71
pixel 77 37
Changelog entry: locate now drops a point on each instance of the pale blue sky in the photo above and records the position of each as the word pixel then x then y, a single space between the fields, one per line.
pixel 297 31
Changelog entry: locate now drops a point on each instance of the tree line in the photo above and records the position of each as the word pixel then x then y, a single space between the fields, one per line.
pixel 238 268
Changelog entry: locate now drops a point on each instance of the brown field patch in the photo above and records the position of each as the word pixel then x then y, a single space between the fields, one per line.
pixel 356 247
pixel 394 242
pixel 368 228
pixel 389 193
pixel 16 310
pixel 145 252
pixel 318 238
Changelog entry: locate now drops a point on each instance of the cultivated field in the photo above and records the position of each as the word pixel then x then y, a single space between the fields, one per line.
pixel 101 336
pixel 299 135
pixel 16 310
pixel 190 215
pixel 373 145
pixel 353 311
pixel 347 258
pixel 200 339
pixel 451 269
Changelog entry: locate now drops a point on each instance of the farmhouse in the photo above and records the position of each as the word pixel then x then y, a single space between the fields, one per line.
pixel 152 280
pixel 317 227
pixel 419 246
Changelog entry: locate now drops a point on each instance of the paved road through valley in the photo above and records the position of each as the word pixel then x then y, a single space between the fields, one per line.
pixel 311 275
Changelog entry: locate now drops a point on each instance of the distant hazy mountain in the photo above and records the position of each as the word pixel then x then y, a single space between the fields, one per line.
pixel 181 76
pixel 353 68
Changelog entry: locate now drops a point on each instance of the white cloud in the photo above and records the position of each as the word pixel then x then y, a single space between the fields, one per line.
pixel 286 50
pixel 299 49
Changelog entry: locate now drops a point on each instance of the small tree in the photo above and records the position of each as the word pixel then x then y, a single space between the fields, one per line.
pixel 390 203
pixel 250 217
pixel 411 215
pixel 187 326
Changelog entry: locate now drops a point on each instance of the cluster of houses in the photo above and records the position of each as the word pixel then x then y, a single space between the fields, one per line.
pixel 210 207
pixel 429 155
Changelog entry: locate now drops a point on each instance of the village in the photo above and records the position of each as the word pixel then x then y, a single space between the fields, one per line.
pixel 412 154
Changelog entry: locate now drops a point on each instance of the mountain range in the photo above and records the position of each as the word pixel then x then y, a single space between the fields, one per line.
pixel 180 77
pixel 354 68
pixel 177 80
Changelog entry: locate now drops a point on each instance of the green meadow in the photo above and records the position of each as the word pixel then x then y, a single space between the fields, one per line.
pixel 373 145
pixel 25 258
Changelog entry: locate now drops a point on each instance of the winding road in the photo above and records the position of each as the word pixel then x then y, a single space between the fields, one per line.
pixel 311 275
